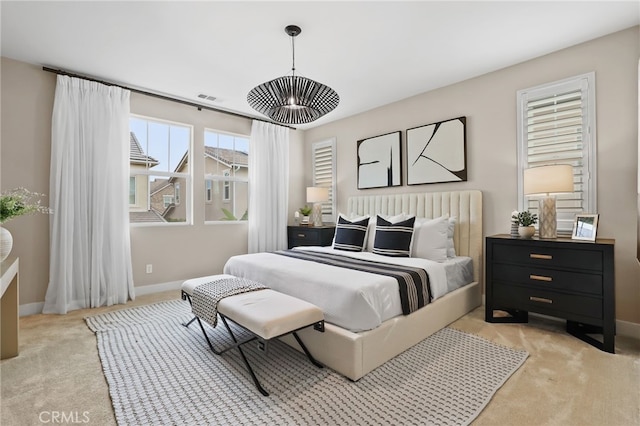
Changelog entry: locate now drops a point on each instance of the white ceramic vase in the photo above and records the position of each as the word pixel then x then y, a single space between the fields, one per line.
pixel 6 243
pixel 526 231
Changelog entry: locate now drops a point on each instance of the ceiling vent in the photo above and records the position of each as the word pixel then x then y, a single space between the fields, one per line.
pixel 207 97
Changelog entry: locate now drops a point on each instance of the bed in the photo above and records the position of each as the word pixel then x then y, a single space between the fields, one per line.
pixel 354 346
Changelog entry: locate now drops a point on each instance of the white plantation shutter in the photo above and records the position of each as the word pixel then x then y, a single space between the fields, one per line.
pixel 556 125
pixel 323 161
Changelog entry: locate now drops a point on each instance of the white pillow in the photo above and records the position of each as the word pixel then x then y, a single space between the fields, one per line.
pixel 371 232
pixel 451 250
pixel 430 239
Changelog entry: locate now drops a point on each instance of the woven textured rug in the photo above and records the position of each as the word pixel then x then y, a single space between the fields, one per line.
pixel 162 373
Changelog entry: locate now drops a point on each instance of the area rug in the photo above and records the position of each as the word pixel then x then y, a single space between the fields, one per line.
pixel 162 373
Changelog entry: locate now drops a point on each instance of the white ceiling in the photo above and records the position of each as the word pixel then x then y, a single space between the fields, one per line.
pixel 371 53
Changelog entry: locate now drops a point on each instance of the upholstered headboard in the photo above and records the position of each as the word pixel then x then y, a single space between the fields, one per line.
pixel 466 206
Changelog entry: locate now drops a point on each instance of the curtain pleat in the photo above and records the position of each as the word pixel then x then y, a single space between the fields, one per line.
pixel 269 187
pixel 90 254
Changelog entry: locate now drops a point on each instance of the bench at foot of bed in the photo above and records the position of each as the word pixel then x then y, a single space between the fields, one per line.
pixel 266 313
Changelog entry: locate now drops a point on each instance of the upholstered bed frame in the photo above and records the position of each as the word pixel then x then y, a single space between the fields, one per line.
pixel 356 354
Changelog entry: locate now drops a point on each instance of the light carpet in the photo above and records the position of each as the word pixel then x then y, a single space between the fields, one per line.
pixel 160 372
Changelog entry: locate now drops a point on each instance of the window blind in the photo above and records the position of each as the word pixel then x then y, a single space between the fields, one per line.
pixel 323 164
pixel 556 128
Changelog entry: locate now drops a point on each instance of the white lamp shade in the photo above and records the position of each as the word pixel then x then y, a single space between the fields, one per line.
pixel 316 194
pixel 548 179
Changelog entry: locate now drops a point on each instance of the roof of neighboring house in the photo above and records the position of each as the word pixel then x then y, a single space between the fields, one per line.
pixel 145 217
pixel 137 155
pixel 229 157
pixel 157 185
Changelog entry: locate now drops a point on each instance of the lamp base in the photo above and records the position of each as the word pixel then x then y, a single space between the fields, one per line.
pixel 316 215
pixel 547 216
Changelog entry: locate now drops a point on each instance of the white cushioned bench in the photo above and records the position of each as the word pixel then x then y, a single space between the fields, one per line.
pixel 266 313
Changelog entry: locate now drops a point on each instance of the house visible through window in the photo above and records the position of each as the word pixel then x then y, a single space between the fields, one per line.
pixel 556 125
pixel 160 168
pixel 226 176
pixel 323 166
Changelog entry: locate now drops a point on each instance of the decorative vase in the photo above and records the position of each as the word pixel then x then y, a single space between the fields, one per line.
pixel 514 230
pixel 6 243
pixel 526 231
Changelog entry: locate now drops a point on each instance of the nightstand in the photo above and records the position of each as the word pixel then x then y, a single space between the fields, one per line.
pixel 564 278
pixel 310 235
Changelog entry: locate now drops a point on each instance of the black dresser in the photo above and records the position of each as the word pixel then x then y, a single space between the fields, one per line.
pixel 563 278
pixel 310 235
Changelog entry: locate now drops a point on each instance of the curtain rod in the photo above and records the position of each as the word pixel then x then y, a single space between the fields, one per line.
pixel 163 97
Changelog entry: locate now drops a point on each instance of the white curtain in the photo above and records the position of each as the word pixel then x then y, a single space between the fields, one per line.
pixel 90 253
pixel 269 187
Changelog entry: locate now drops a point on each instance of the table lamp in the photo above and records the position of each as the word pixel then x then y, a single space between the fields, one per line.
pixel 317 196
pixel 546 181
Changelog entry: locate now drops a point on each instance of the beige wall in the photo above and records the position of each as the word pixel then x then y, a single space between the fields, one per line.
pixel 177 251
pixel 489 103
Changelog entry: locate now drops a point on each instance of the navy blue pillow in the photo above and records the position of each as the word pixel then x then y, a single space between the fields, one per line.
pixel 393 239
pixel 350 236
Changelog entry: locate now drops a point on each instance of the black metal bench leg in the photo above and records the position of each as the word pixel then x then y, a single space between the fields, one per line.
pixel 244 358
pixel 306 351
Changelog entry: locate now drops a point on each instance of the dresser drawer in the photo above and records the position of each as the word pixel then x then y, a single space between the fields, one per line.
pixel 549 279
pixel 547 302
pixel 551 257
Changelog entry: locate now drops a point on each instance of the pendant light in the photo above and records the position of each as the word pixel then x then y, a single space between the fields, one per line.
pixel 293 99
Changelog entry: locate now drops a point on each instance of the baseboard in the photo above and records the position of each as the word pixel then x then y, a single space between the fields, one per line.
pixel 30 309
pixel 157 288
pixel 36 308
pixel 628 329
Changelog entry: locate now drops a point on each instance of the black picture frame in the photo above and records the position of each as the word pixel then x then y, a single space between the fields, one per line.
pixel 437 152
pixel 380 161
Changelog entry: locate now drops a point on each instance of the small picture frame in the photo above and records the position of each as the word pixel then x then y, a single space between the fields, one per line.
pixel 585 227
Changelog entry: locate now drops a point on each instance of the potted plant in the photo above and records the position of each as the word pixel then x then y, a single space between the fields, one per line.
pixel 305 212
pixel 525 221
pixel 14 203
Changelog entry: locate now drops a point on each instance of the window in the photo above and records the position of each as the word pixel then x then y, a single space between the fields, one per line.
pixel 226 191
pixel 132 190
pixel 208 190
pixel 160 166
pixel 556 125
pixel 323 165
pixel 226 176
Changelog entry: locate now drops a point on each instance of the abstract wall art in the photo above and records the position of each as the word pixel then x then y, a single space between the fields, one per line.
pixel 437 152
pixel 380 161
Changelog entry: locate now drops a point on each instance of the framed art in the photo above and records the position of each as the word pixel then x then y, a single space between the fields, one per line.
pixel 585 227
pixel 380 161
pixel 437 152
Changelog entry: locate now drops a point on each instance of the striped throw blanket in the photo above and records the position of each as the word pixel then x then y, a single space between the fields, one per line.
pixel 413 282
pixel 205 298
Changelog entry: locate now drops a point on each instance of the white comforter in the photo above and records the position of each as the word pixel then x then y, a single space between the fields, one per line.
pixel 350 299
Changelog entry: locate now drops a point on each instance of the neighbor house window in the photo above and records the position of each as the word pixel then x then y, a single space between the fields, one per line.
pixel 556 125
pixel 160 164
pixel 323 167
pixel 226 186
pixel 226 175
pixel 132 190
pixel 208 190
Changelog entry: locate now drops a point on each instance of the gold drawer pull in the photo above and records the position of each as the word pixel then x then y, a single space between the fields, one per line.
pixel 540 256
pixel 541 278
pixel 540 299
pixel 301 235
